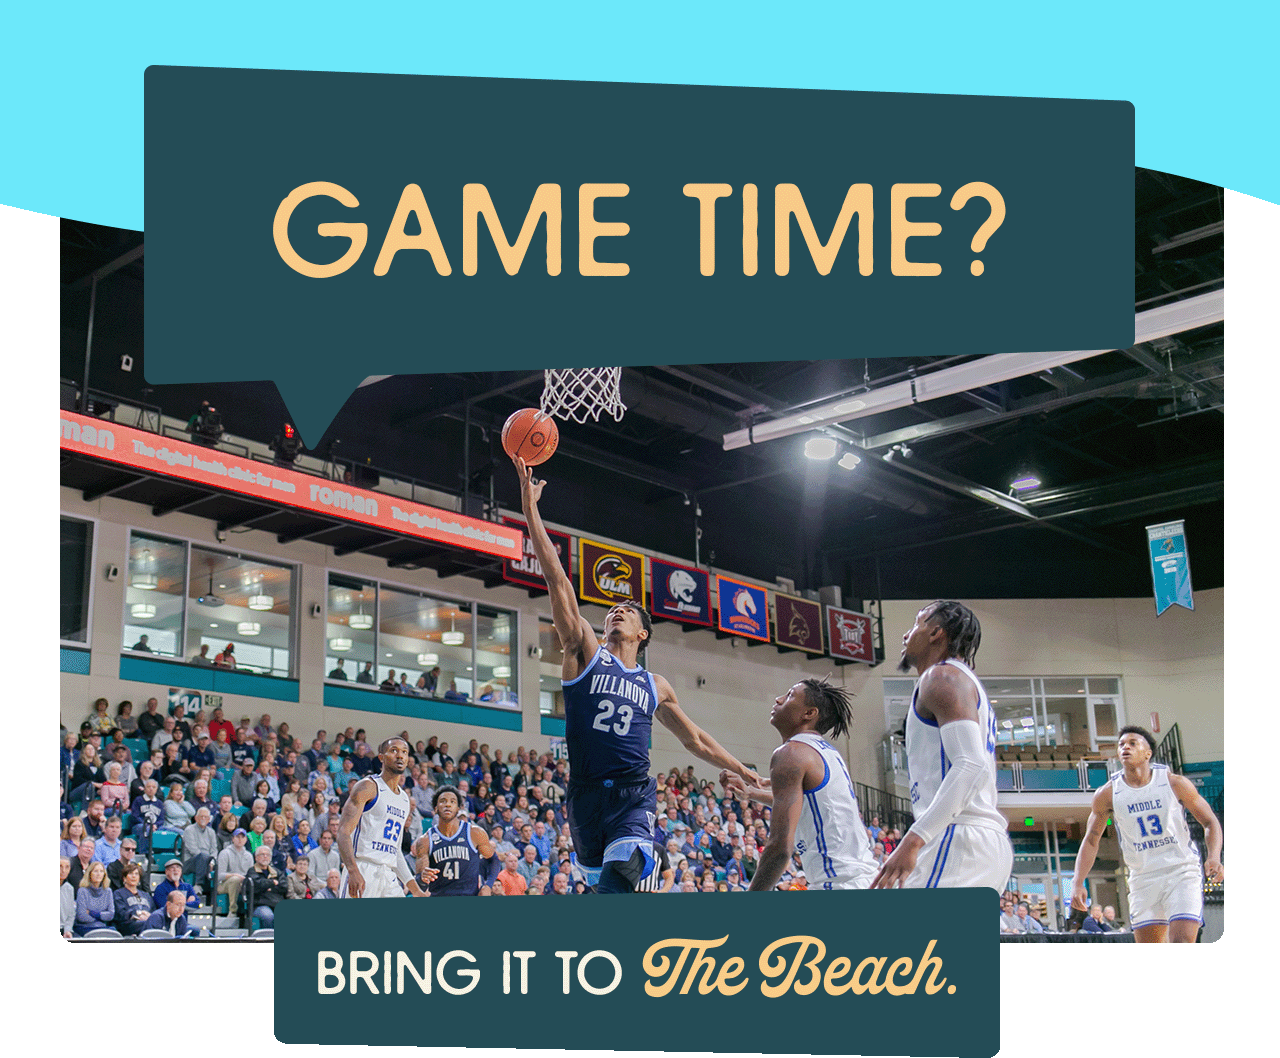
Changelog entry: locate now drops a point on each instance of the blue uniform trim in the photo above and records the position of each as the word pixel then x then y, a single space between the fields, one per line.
pixel 591 874
pixel 940 861
pixel 589 666
pixel 827 867
pixel 1187 918
pixel 620 852
pixel 826 775
pixel 931 723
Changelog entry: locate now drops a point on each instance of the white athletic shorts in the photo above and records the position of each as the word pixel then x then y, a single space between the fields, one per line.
pixel 963 856
pixel 1158 899
pixel 379 881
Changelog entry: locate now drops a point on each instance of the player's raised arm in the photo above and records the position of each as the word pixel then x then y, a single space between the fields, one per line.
pixel 1099 813
pixel 733 784
pixel 786 778
pixel 361 794
pixel 950 699
pixel 692 737
pixel 1191 800
pixel 576 635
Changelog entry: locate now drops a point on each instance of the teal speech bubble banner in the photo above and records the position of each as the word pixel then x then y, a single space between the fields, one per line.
pixel 845 972
pixel 316 228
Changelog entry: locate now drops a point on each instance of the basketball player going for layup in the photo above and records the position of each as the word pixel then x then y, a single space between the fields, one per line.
pixel 815 809
pixel 370 827
pixel 610 703
pixel 453 856
pixel 959 838
pixel 1166 895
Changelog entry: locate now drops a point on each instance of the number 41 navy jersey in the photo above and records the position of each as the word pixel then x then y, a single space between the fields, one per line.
pixel 608 711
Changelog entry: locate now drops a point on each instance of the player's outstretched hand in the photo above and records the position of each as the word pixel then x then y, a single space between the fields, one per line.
pixel 731 781
pixel 898 866
pixel 355 883
pixel 1079 899
pixel 530 488
pixel 1213 870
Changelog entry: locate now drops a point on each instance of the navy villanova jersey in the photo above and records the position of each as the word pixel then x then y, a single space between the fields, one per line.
pixel 458 862
pixel 608 717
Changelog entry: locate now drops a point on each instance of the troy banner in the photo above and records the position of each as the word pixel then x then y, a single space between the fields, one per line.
pixel 680 593
pixel 798 623
pixel 744 609
pixel 608 574
pixel 849 635
pixel 164 456
pixel 527 570
pixel 837 972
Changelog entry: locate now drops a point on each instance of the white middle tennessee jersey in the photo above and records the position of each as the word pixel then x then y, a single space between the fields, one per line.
pixel 1151 825
pixel 830 837
pixel 377 838
pixel 927 762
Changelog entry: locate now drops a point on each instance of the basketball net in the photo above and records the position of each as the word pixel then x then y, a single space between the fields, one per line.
pixel 580 393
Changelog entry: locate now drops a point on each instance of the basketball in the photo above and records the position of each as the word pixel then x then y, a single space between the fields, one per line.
pixel 530 434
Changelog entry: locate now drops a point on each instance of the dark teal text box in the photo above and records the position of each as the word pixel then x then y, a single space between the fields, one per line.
pixel 956 928
pixel 225 148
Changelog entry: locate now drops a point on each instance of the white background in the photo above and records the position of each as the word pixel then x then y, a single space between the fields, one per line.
pixel 1055 999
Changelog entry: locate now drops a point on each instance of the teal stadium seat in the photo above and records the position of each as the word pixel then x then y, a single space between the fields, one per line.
pixel 219 788
pixel 138 749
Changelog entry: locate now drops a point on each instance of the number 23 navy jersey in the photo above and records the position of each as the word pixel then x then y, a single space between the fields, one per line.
pixel 608 712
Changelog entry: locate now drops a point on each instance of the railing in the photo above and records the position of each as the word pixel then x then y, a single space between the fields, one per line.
pixel 893 811
pixel 1169 752
pixel 1012 777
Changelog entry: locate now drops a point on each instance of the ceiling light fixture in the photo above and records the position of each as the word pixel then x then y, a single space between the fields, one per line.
pixel 428 659
pixel 142 611
pixel 452 638
pixel 360 621
pixel 261 602
pixel 339 644
pixel 501 672
pixel 848 461
pixel 144 581
pixel 1025 482
pixel 820 447
pixel 248 628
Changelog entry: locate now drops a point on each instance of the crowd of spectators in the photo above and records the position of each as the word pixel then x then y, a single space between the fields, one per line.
pixel 1017 917
pixel 256 811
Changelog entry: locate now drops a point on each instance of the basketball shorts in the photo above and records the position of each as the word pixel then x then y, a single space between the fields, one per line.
pixel 1169 896
pixel 964 856
pixel 379 881
pixel 609 822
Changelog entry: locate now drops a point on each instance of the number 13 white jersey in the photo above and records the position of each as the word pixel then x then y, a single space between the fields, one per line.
pixel 378 834
pixel 928 764
pixel 1151 825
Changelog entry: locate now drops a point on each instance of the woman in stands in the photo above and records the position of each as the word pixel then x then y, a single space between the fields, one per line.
pixel 298 884
pixel 72 834
pixel 178 812
pixel 95 906
pixel 257 827
pixel 133 904
pixel 302 810
pixel 262 789
pixel 99 720
pixel 303 842
pixel 173 766
pixel 227 658
pixel 125 721
pixel 114 793
pixel 228 824
pixel 86 776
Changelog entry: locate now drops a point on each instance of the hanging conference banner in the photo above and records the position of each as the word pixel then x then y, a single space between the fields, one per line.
pixel 849 635
pixel 1170 566
pixel 527 570
pixel 680 593
pixel 743 609
pixel 609 575
pixel 797 623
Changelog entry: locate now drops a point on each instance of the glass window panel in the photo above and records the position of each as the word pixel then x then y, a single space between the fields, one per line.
pixel 495 663
pixel 1003 686
pixel 350 637
pixel 1015 723
pixel 412 630
pixel 1064 685
pixel 242 601
pixel 75 555
pixel 1104 685
pixel 1069 718
pixel 153 595
pixel 1104 714
pixel 551 693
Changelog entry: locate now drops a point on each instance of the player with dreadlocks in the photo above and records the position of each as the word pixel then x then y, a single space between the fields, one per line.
pixel 815 810
pixel 959 838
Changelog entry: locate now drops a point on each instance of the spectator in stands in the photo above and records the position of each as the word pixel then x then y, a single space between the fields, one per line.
pixel 133 904
pixel 150 721
pixel 365 675
pixel 86 776
pixel 332 884
pixel 173 881
pixel 1008 918
pixel 172 917
pixel 115 871
pixel 199 846
pixel 73 833
pixel 66 898
pixel 281 852
pixel 338 672
pixel 528 863
pixel 265 887
pixel 201 754
pixel 178 813
pixel 234 862
pixel 219 722
pixel 257 829
pixel 95 819
pixel 165 735
pixel 125 719
pixel 298 884
pixel 262 792
pixel 873 828
pixel 120 755
pixel 181 725
pixel 453 694
pixel 95 906
pixel 389 684
pixel 199 794
pixel 1109 916
pixel 147 813
pixel 203 657
pixel 514 881
pixel 242 748
pixel 221 750
pixel 227 658
pixel 106 850
pixel 174 766
pixel 303 842
pixel 81 862
pixel 243 782
pixel 1096 922
pixel 1027 921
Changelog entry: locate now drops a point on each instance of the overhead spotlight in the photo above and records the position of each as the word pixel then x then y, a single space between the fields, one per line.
pixel 820 447
pixel 849 461
pixel 205 426
pixel 286 445
pixel 340 644
pixel 1024 482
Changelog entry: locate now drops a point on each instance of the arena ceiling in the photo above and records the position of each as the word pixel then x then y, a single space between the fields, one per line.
pixel 1119 440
